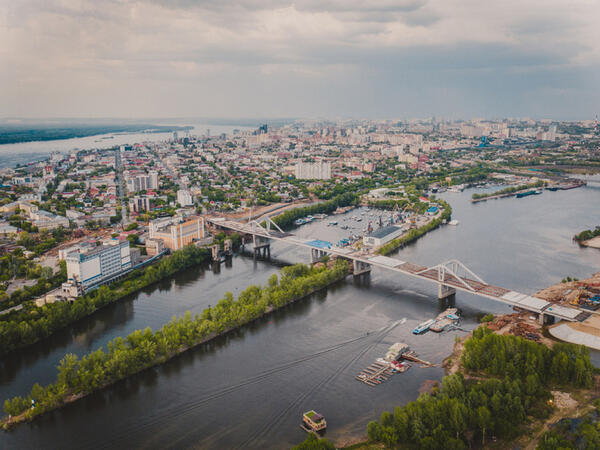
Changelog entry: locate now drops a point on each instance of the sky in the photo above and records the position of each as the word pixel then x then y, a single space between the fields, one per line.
pixel 303 58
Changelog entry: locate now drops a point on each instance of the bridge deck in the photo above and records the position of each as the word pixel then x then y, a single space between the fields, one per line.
pixel 443 277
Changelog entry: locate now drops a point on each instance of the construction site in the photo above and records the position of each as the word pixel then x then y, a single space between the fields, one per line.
pixel 584 294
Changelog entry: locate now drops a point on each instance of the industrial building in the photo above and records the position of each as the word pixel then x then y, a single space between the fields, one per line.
pixel 177 232
pixel 90 265
pixel 382 236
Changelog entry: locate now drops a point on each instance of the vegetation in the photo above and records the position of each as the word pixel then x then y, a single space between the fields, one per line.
pixel 312 442
pixel 586 235
pixel 466 412
pixel 287 218
pixel 581 433
pixel 509 190
pixel 143 349
pixel 31 324
pixel 487 318
pixel 10 134
pixel 416 233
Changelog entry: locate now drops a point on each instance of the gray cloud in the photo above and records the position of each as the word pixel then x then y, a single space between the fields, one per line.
pixel 301 58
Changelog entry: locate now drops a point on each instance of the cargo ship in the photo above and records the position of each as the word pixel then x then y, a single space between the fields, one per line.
pixel 525 194
pixel 422 328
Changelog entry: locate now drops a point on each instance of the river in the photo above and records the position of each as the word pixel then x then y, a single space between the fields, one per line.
pixel 248 389
pixel 25 152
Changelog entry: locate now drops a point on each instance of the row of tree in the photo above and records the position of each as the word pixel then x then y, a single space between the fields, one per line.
pixel 416 233
pixel 462 412
pixel 31 324
pixel 287 218
pixel 143 349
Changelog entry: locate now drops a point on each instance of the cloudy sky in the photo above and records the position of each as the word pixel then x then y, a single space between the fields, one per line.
pixel 302 58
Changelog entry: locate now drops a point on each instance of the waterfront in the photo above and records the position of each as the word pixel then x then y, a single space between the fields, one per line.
pixel 202 397
pixel 25 152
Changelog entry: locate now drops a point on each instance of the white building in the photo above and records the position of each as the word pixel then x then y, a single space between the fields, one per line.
pixel 88 267
pixel 141 182
pixel 184 197
pixel 382 236
pixel 320 170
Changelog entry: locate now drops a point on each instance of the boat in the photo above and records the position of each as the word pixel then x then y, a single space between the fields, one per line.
pixel 553 188
pixel 313 421
pixel 299 222
pixel 422 328
pixel 320 216
pixel 332 223
pixel 526 194
pixel 453 222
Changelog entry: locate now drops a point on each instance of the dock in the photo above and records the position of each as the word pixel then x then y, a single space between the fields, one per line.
pixel 411 355
pixel 376 373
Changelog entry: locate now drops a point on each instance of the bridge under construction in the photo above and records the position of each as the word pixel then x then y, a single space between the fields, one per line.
pixel 450 276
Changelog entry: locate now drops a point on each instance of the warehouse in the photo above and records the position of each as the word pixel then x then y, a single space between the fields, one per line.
pixel 382 236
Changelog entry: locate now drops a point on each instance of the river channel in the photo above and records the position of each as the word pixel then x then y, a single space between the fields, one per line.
pixel 248 389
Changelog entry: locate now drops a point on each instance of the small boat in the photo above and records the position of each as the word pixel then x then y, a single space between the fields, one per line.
pixel 299 222
pixel 422 328
pixel 313 421
pixel 453 222
pixel 332 223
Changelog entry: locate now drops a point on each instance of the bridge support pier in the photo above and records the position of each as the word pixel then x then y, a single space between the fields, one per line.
pixel 215 252
pixel 262 247
pixel 360 267
pixel 316 255
pixel 445 291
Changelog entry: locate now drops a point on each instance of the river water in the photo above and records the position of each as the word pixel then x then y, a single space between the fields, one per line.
pixel 25 152
pixel 248 389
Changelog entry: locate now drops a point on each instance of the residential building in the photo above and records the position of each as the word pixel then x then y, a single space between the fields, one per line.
pixel 320 170
pixel 184 197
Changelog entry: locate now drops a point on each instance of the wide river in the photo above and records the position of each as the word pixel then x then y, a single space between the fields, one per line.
pixel 249 389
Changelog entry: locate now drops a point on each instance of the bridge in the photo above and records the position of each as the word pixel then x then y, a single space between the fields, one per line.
pixel 450 276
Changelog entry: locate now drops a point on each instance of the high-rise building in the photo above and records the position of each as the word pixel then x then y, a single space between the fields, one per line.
pixel 139 203
pixel 141 182
pixel 320 170
pixel 184 197
pixel 87 267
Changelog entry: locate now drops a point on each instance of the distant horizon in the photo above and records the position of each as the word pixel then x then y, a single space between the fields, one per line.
pixel 9 120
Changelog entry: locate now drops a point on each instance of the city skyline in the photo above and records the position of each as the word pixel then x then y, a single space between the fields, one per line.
pixel 250 59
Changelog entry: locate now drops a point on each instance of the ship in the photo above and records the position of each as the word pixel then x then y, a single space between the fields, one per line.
pixel 528 193
pixel 313 421
pixel 422 328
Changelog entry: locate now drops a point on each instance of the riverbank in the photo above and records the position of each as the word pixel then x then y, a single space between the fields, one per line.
pixel 144 349
pixel 414 234
pixel 492 393
pixel 583 293
pixel 31 324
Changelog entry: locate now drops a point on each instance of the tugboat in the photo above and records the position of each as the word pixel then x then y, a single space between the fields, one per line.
pixel 313 422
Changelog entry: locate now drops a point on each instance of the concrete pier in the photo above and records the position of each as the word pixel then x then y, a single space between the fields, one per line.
pixel 317 255
pixel 261 246
pixel 360 267
pixel 445 292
